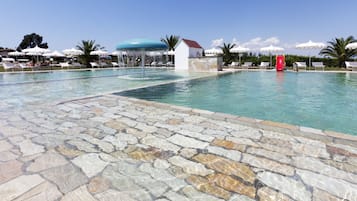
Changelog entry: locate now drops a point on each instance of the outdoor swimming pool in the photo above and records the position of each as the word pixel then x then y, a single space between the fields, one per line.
pixel 326 101
pixel 23 89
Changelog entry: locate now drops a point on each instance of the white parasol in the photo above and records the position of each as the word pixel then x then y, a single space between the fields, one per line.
pixel 99 53
pixel 213 51
pixel 309 46
pixel 239 50
pixel 271 49
pixel 36 51
pixel 53 54
pixel 16 53
pixel 72 52
pixel 352 45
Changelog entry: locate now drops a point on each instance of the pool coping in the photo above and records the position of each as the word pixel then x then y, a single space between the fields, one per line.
pixel 291 129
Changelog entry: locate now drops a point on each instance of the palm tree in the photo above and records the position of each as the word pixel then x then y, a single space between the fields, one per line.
pixel 87 46
pixel 337 49
pixel 171 42
pixel 227 56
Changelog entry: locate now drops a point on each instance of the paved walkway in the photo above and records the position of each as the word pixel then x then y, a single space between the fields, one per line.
pixel 115 148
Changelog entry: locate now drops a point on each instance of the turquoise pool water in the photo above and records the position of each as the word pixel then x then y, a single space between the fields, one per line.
pixel 320 100
pixel 24 89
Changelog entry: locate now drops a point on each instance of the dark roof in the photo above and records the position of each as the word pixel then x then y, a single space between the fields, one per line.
pixel 191 43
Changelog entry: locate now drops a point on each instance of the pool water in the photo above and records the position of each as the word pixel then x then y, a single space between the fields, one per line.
pixel 24 89
pixel 325 101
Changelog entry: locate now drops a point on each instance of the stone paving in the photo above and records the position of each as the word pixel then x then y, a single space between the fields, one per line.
pixel 116 148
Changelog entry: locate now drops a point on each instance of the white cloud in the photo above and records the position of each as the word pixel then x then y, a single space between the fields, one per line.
pixel 235 41
pixel 217 42
pixel 272 41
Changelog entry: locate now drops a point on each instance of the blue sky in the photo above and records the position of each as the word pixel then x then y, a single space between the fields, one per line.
pixel 253 23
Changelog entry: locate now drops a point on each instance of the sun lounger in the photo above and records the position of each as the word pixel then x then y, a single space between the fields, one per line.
pixel 318 65
pixel 299 65
pixel 169 64
pixel 94 64
pixel 64 65
pixel 115 64
pixel 234 64
pixel 8 66
pixel 247 64
pixel 264 65
pixel 351 65
pixel 24 66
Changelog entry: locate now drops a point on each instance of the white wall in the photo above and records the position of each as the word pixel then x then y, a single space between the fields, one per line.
pixel 195 52
pixel 181 56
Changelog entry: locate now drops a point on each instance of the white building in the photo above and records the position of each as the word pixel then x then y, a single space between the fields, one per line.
pixel 184 50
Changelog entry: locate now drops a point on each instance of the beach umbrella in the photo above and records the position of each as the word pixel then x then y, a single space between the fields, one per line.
pixel 352 45
pixel 310 46
pixel 271 49
pixel 214 51
pixel 16 53
pixel 72 52
pixel 99 53
pixel 239 50
pixel 53 54
pixel 36 51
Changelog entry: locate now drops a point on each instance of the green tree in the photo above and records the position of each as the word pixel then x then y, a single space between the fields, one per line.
pixel 171 42
pixel 337 49
pixel 87 46
pixel 227 55
pixel 30 41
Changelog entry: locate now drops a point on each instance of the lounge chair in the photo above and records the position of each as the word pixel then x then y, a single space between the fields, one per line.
pixel 169 64
pixel 115 64
pixel 318 65
pixel 94 64
pixel 264 65
pixel 64 65
pixel 24 66
pixel 8 66
pixel 77 64
pixel 299 65
pixel 247 64
pixel 234 64
pixel 154 63
pixel 351 65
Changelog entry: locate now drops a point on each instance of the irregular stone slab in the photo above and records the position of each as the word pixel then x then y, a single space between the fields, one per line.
pixel 156 188
pixel 286 185
pixel 319 195
pixel 228 145
pixel 171 195
pixel 48 141
pixel 66 177
pixel 16 187
pixel 98 185
pixel 102 145
pixel 196 135
pixel 83 146
pixel 119 144
pixel 230 184
pixel 241 198
pixel 4 145
pixel 44 191
pixel 10 170
pixel 268 194
pixel 188 152
pixel 113 195
pixel 28 148
pixel 7 156
pixel 11 131
pixel 187 142
pixel 226 166
pixel 160 143
pixel 79 194
pixel 280 157
pixel 316 165
pixel 161 164
pixel 202 184
pixel 193 194
pixel 337 187
pixel 247 133
pixel 190 167
pixel 130 139
pixel 231 154
pixel 90 164
pixel 309 147
pixel 242 141
pixel 46 161
pixel 68 152
pixel 268 164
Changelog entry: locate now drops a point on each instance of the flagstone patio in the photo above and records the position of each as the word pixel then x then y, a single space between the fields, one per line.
pixel 116 148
